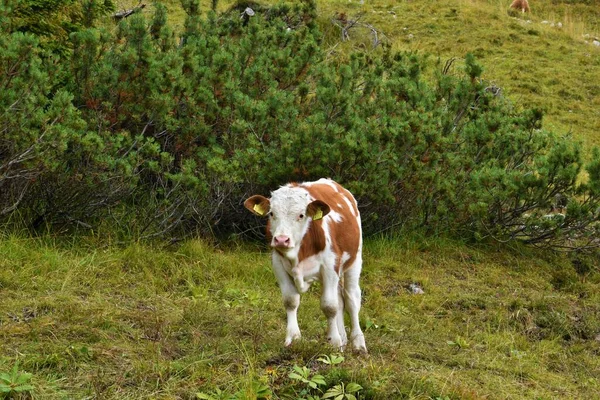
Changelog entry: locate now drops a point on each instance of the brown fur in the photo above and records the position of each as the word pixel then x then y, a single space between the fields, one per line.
pixel 522 5
pixel 313 242
pixel 345 235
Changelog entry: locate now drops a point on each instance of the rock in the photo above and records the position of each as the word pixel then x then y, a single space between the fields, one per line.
pixel 415 289
pixel 248 11
pixel 596 43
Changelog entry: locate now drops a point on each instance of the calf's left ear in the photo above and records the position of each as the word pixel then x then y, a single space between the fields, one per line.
pixel 317 210
pixel 258 205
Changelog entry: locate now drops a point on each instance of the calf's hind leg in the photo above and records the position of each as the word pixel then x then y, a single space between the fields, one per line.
pixel 330 304
pixel 352 300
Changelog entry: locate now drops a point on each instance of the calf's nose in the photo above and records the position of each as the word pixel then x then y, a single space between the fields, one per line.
pixel 281 241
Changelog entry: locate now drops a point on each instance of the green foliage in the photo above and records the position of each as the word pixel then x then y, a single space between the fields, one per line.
pixel 169 136
pixel 343 392
pixel 257 391
pixel 54 171
pixel 52 21
pixel 303 374
pixel 14 383
pixel 333 359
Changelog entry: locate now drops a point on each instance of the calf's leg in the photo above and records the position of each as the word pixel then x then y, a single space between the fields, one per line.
pixel 291 300
pixel 352 300
pixel 330 304
pixel 340 316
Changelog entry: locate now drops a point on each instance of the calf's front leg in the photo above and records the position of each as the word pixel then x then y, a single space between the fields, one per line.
pixel 291 300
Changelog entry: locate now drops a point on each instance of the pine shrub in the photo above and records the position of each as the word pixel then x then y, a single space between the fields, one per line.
pixel 168 133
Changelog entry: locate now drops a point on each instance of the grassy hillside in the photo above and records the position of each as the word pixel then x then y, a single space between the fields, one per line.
pixel 91 321
pixel 536 62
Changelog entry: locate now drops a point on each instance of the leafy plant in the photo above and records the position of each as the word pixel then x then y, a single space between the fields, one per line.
pixel 256 391
pixel 333 359
pixel 14 382
pixel 459 342
pixel 303 374
pixel 216 394
pixel 343 391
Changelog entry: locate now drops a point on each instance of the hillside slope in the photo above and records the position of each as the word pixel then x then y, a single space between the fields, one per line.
pixel 543 59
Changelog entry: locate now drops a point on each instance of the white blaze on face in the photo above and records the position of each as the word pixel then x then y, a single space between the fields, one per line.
pixel 288 219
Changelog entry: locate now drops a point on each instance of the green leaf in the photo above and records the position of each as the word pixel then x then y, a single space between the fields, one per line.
pixel 22 378
pixel 319 379
pixel 353 387
pixel 294 375
pixel 23 388
pixel 337 359
pixel 334 391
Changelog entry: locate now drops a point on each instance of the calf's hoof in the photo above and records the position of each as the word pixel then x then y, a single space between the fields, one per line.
pixel 290 338
pixel 358 344
pixel 336 342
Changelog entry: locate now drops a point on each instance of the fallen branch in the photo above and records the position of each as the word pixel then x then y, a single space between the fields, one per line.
pixel 345 24
pixel 127 13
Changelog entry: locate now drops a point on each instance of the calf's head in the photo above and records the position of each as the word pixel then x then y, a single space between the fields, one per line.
pixel 290 211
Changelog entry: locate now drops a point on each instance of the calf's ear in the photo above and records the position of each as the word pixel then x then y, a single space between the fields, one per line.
pixel 258 205
pixel 317 210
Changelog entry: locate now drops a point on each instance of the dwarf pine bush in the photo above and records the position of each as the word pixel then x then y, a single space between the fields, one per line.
pixel 169 132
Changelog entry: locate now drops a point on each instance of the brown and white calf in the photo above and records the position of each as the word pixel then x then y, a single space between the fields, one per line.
pixel 315 231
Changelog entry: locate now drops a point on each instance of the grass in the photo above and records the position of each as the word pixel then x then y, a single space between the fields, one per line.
pixel 536 64
pixel 141 322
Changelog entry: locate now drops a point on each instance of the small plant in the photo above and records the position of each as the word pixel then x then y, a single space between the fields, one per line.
pixel 302 374
pixel 257 391
pixel 341 391
pixel 14 382
pixel 459 343
pixel 333 359
pixel 370 324
pixel 216 394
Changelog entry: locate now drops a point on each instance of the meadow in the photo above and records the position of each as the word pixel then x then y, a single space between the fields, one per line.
pixel 95 317
pixel 94 321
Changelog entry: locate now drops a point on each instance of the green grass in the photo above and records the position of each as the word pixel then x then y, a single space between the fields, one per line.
pixel 140 322
pixel 537 65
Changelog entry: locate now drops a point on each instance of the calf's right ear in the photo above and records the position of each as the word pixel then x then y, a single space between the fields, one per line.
pixel 258 205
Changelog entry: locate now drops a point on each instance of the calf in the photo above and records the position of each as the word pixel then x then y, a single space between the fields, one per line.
pixel 315 231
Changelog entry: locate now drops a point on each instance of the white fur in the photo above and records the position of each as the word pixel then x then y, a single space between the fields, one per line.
pixel 349 204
